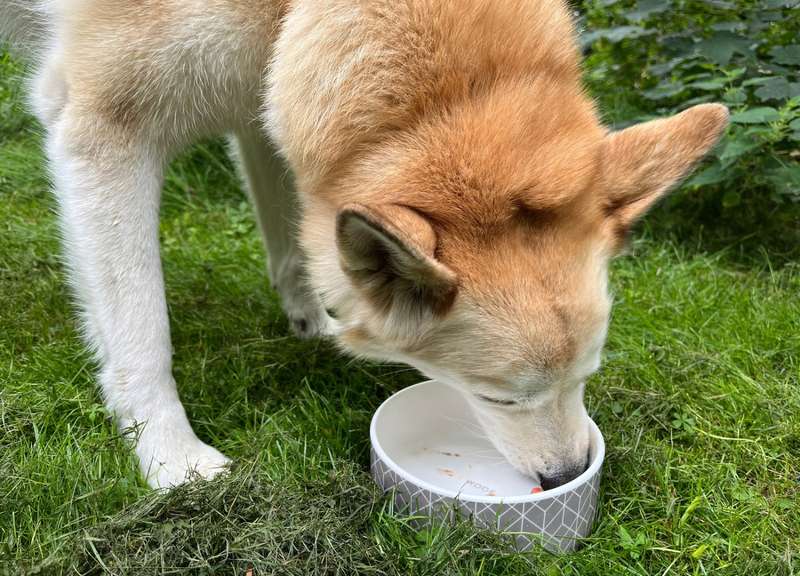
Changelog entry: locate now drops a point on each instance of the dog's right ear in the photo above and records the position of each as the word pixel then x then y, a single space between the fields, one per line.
pixel 642 163
pixel 388 251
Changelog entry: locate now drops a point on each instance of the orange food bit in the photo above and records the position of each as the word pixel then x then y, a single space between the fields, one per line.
pixel 537 489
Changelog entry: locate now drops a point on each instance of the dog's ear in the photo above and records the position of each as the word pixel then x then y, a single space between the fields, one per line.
pixel 388 251
pixel 642 163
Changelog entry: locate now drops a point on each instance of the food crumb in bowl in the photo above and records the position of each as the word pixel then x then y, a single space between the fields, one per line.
pixel 537 490
pixel 447 472
pixel 454 454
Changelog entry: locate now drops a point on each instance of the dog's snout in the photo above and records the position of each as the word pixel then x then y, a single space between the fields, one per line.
pixel 562 477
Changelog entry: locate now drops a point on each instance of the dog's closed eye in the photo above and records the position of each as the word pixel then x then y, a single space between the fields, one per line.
pixel 497 401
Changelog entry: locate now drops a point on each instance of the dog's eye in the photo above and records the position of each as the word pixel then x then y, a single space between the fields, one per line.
pixel 498 401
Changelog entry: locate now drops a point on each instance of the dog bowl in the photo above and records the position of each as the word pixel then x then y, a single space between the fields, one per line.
pixel 428 449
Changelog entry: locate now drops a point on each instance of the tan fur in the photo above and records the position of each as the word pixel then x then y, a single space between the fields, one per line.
pixel 133 64
pixel 461 198
pixel 472 115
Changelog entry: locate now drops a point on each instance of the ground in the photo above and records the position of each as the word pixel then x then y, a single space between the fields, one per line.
pixel 698 398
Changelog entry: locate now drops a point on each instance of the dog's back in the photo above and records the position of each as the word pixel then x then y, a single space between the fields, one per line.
pixel 179 67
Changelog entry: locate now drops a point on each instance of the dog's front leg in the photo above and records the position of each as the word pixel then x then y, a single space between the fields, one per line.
pixel 271 188
pixel 108 184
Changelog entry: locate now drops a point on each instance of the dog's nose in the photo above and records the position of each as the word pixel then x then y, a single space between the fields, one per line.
pixel 562 477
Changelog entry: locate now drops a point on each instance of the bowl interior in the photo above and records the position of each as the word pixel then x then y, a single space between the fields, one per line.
pixel 429 434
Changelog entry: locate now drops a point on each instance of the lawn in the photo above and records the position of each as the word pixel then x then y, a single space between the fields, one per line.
pixel 699 400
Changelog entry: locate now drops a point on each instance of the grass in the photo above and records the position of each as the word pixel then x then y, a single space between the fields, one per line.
pixel 699 400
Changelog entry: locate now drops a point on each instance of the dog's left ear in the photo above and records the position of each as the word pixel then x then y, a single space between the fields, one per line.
pixel 642 163
pixel 388 251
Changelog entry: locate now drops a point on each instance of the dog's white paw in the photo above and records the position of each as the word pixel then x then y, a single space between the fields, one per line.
pixel 307 316
pixel 303 307
pixel 175 466
pixel 311 321
pixel 171 454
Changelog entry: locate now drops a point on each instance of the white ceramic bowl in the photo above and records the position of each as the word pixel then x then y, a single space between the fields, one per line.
pixel 429 450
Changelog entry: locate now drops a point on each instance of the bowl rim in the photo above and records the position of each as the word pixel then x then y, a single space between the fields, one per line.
pixel 586 476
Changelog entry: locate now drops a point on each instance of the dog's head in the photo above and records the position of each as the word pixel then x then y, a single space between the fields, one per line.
pixel 481 255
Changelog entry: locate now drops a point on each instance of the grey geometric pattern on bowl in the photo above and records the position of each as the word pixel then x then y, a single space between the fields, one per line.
pixel 558 523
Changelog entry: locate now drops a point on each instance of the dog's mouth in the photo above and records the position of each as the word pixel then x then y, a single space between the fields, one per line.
pixel 567 475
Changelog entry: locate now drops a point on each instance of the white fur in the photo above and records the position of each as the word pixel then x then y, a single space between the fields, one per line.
pixel 108 194
pixel 24 24
pixel 203 79
pixel 271 189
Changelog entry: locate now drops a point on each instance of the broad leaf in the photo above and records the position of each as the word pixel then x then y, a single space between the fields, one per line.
pixel 664 67
pixel 732 26
pixel 786 179
pixel 721 4
pixel 735 148
pixel 702 99
pixel 714 174
pixel 771 16
pixel 721 47
pixel 714 85
pixel 735 96
pixel 679 45
pixel 774 89
pixel 789 55
pixel 780 4
pixel 615 35
pixel 758 81
pixel 646 8
pixel 734 73
pixel 760 115
pixel 664 90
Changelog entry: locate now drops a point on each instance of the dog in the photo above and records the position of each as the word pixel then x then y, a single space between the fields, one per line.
pixel 458 198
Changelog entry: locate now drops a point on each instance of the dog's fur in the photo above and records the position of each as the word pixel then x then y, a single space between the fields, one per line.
pixel 459 199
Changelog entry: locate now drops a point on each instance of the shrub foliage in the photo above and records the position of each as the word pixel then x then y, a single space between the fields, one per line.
pixel 654 57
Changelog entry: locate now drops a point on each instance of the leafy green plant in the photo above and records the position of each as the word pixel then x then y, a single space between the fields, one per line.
pixel 683 421
pixel 634 546
pixel 660 56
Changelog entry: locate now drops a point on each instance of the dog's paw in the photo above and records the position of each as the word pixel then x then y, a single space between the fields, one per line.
pixel 169 456
pixel 312 323
pixel 307 316
pixel 176 465
pixel 303 307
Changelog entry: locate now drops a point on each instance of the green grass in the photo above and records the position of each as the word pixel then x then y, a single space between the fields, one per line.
pixel 699 400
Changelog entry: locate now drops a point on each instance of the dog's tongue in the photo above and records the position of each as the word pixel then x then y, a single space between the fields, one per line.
pixel 537 490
